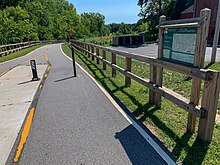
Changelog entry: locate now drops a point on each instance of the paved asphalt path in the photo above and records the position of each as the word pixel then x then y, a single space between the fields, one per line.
pixel 7 65
pixel 75 123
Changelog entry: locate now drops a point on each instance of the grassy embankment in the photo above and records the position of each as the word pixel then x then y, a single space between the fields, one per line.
pixel 169 123
pixel 104 41
pixel 18 54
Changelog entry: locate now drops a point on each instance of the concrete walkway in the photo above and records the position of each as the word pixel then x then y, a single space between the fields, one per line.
pixel 76 123
pixel 17 92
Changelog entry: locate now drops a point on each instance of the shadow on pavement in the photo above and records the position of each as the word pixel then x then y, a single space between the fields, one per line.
pixel 25 82
pixel 135 147
pixel 63 79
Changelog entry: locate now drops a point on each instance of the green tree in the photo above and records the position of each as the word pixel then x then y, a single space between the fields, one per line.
pixel 94 24
pixel 16 26
pixel 122 28
pixel 151 10
pixel 170 8
pixel 25 20
pixel 69 25
pixel 144 27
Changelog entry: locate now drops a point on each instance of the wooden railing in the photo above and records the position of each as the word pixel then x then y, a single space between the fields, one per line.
pixel 7 49
pixel 206 112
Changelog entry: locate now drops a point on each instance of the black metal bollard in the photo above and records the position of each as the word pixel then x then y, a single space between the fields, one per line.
pixel 74 63
pixel 34 70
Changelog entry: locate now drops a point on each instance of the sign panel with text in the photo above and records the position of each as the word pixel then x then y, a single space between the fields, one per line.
pixel 179 45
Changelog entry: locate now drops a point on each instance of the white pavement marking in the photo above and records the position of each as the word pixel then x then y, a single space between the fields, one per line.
pixel 156 147
pixel 17 92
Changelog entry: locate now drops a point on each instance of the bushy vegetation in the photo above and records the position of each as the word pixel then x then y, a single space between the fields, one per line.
pixel 151 10
pixel 23 20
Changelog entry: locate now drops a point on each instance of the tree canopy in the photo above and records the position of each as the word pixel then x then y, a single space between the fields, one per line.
pixel 151 10
pixel 26 20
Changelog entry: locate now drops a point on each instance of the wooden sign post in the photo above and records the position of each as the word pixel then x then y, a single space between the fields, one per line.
pixel 182 42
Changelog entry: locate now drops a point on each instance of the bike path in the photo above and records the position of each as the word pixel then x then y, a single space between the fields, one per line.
pixel 15 62
pixel 75 123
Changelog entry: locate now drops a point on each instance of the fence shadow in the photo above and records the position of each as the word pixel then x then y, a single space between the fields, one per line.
pixel 193 156
pixel 63 79
pixel 147 111
pixel 135 147
pixel 208 66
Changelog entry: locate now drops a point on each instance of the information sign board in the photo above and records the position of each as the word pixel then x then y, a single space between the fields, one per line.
pixel 179 44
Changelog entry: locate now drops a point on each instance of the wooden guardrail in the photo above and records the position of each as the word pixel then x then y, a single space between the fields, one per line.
pixel 7 49
pixel 206 112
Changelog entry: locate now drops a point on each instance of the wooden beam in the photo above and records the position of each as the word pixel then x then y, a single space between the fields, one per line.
pixel 165 92
pixel 104 57
pixel 128 68
pixel 199 59
pixel 93 53
pixel 89 50
pixel 97 53
pixel 153 76
pixel 182 21
pixel 113 62
pixel 189 71
pixel 216 35
pixel 209 103
pixel 159 70
pixel 194 24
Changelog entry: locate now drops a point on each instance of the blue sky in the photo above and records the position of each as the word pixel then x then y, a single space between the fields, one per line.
pixel 116 11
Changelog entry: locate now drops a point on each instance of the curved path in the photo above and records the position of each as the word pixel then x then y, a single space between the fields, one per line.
pixel 9 64
pixel 75 123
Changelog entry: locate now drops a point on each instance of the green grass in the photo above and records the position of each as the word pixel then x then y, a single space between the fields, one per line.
pixel 18 54
pixel 104 41
pixel 168 123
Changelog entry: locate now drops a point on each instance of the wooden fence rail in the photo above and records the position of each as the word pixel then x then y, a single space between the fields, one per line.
pixel 7 49
pixel 206 112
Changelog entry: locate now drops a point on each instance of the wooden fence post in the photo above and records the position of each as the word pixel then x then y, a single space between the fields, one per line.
pixel 159 70
pixel 97 53
pixel 86 49
pixel 113 62
pixel 83 47
pixel 7 50
pixel 199 59
pixel 209 104
pixel 153 76
pixel 93 53
pixel 89 49
pixel 104 57
pixel 127 68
